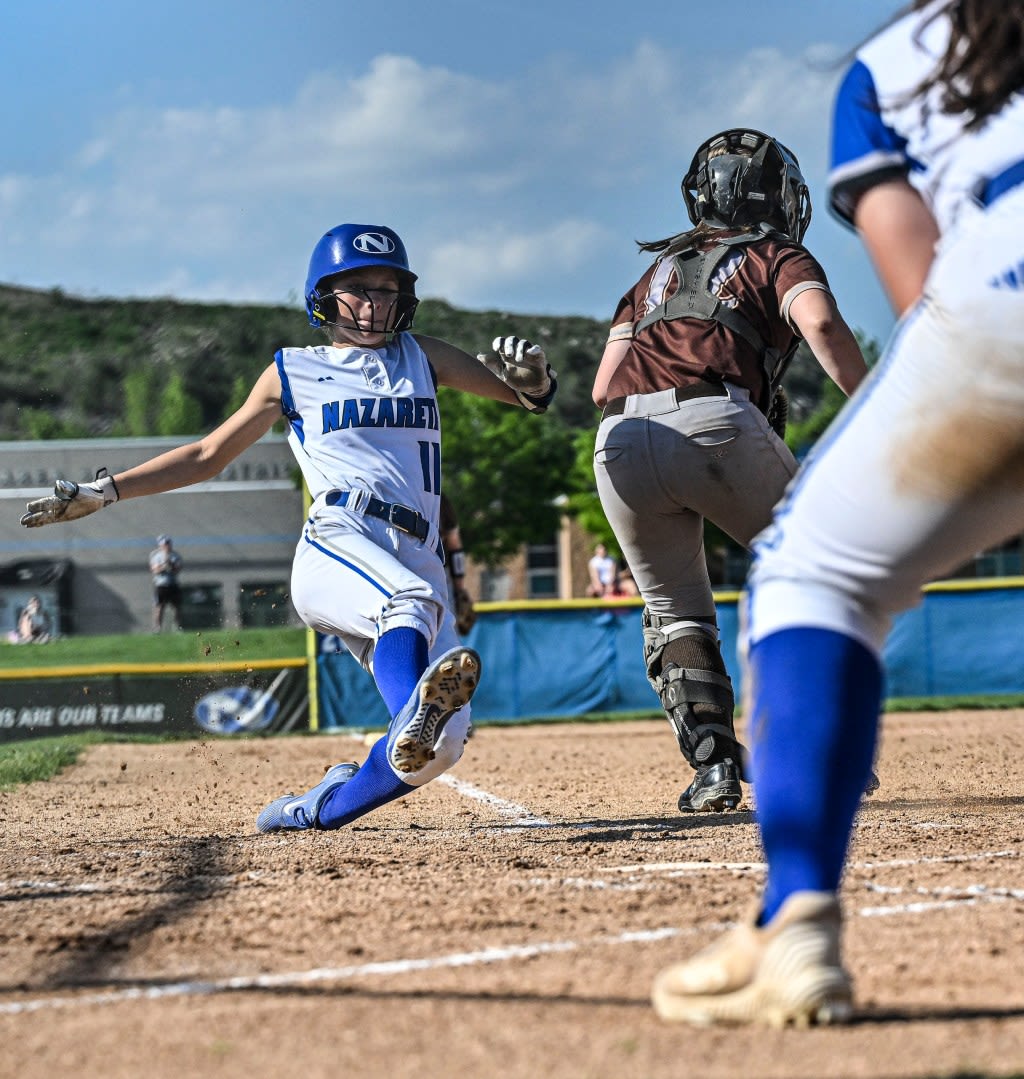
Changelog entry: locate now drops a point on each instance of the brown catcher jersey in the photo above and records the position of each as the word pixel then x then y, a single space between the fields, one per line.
pixel 760 279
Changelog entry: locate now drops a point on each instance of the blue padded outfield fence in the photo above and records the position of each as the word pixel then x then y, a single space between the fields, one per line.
pixel 541 660
pixel 554 659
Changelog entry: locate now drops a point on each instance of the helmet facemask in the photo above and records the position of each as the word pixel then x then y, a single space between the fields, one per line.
pixel 390 310
pixel 742 178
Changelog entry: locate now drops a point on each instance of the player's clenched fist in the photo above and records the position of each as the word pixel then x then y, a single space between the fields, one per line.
pixel 523 366
pixel 70 501
pixel 520 363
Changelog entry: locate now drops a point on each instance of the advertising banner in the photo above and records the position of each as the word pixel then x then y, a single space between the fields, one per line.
pixel 215 702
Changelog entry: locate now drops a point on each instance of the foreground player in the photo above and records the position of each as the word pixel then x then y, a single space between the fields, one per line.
pixel 696 350
pixel 922 469
pixel 366 433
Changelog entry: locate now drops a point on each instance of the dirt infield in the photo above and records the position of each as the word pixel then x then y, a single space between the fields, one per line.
pixel 505 921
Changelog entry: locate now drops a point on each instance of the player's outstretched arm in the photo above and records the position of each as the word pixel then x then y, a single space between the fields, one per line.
pixel 180 467
pixel 517 372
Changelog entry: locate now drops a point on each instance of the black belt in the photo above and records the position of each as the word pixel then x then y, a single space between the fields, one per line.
pixel 999 185
pixel 617 405
pixel 403 518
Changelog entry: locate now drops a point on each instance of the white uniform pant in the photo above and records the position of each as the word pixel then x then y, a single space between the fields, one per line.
pixel 925 466
pixel 357 577
pixel 664 466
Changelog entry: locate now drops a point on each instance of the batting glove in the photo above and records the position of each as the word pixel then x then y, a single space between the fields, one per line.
pixel 70 501
pixel 523 366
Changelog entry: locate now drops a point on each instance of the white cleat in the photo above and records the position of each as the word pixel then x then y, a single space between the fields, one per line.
pixel 786 973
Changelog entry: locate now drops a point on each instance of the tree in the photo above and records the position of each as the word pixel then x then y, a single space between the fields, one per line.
pixel 139 394
pixel 505 471
pixel 43 424
pixel 240 388
pixel 823 408
pixel 178 413
pixel 583 502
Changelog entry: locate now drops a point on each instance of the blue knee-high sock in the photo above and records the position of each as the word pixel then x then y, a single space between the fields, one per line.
pixel 374 785
pixel 814 724
pixel 399 659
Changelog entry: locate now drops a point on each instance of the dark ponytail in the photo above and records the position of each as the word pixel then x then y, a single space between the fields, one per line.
pixel 983 66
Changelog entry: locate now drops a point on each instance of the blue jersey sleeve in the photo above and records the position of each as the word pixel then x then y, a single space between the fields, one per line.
pixel 865 150
pixel 291 413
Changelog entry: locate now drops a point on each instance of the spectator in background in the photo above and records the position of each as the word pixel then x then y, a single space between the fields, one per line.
pixel 604 572
pixel 34 625
pixel 165 565
pixel 624 583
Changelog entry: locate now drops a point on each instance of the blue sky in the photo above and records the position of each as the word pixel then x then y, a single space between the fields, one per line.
pixel 198 149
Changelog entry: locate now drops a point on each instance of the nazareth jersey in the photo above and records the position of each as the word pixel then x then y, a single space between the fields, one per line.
pixel 760 280
pixel 881 130
pixel 365 419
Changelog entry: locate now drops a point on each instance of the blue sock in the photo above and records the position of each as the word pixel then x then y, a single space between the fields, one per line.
pixel 374 785
pixel 814 723
pixel 399 659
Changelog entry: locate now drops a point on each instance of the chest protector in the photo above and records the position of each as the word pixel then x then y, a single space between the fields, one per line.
pixel 694 299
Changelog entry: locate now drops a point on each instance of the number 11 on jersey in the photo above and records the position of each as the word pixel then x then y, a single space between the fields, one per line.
pixel 430 462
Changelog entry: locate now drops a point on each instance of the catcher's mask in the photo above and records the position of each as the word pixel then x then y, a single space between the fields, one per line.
pixel 352 247
pixel 743 177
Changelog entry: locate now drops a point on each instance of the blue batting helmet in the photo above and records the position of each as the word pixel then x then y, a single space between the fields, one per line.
pixel 349 247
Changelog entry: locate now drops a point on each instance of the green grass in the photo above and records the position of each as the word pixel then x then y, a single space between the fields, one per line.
pixel 41 758
pixel 202 646
pixel 954 704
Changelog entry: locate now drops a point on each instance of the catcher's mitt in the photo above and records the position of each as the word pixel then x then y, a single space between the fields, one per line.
pixel 465 612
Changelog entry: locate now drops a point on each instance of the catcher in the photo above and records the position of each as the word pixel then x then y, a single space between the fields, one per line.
pixel 693 419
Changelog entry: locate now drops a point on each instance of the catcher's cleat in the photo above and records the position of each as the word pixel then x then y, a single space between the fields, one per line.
pixel 715 787
pixel 872 784
pixel 444 687
pixel 788 972
pixel 297 813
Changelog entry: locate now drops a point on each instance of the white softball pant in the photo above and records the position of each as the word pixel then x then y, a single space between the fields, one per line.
pixel 925 466
pixel 358 577
pixel 663 466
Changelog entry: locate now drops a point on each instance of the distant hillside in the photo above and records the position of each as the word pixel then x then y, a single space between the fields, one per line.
pixel 74 367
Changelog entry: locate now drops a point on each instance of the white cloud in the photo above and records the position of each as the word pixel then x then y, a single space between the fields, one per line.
pixel 488 260
pixel 511 189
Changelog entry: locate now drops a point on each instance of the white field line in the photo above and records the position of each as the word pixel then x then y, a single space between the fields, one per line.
pixel 970 890
pixel 970 895
pixel 322 975
pixel 338 974
pixel 49 886
pixel 521 816
pixel 504 808
pixel 668 869
pixel 680 868
pixel 126 887
pixel 926 908
pixel 943 898
pixel 759 867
